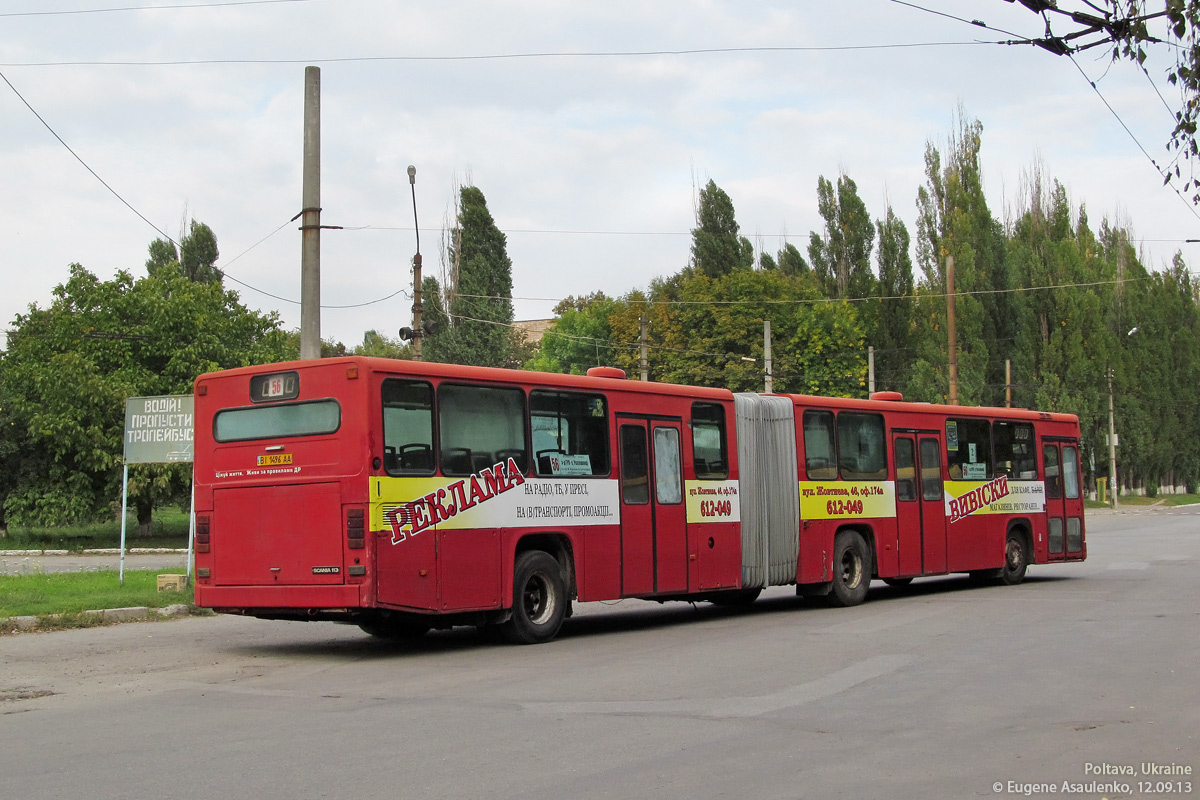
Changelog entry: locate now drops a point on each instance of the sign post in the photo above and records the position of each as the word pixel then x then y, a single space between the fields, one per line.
pixel 158 430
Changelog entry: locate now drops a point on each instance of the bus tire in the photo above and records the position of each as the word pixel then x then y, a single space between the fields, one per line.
pixel 539 599
pixel 394 628
pixel 851 569
pixel 1016 559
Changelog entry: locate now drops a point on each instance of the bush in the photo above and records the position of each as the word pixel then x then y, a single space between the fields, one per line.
pixel 1152 488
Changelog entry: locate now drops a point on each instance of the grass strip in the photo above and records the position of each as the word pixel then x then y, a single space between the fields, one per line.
pixel 169 529
pixel 39 594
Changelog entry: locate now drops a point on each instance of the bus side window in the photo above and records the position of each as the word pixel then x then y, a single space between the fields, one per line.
pixel 709 447
pixel 906 470
pixel 479 427
pixel 1015 454
pixel 570 433
pixel 931 470
pixel 862 453
pixel 1054 489
pixel 407 427
pixel 820 462
pixel 969 449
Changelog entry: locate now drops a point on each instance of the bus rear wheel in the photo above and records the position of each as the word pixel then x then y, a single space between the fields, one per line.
pixel 539 599
pixel 851 569
pixel 1016 559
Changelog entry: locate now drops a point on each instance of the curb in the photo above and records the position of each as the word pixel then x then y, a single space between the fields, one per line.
pixel 102 551
pixel 33 623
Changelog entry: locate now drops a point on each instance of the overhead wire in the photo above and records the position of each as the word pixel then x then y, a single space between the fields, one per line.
pixel 76 11
pixel 499 56
pixel 79 158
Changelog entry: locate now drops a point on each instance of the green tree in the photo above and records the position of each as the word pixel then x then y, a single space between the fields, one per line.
pixel 70 366
pixel 200 254
pixel 716 247
pixel 954 221
pixel 471 317
pixel 894 314
pixel 580 338
pixel 841 255
pixel 376 344
pixel 791 262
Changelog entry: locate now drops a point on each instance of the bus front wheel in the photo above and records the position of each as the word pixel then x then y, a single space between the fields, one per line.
pixel 1016 559
pixel 851 569
pixel 539 599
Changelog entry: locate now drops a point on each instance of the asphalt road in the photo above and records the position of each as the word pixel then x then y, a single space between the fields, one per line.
pixel 938 690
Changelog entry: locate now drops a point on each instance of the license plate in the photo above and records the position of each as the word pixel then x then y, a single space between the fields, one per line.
pixel 274 459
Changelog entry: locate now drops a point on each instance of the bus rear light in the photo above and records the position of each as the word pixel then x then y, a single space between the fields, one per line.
pixel 355 529
pixel 203 572
pixel 202 534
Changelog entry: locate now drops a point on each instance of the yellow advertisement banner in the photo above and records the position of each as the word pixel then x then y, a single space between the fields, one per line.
pixel 497 497
pixel 997 496
pixel 847 499
pixel 713 501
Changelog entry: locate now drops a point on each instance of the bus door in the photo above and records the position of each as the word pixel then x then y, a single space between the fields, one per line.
pixel 1064 499
pixel 920 507
pixel 653 529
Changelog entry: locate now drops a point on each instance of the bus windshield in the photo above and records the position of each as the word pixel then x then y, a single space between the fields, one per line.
pixel 277 422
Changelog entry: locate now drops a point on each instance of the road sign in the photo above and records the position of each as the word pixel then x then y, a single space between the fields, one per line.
pixel 159 430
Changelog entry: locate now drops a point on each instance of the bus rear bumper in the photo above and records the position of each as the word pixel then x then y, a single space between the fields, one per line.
pixel 285 602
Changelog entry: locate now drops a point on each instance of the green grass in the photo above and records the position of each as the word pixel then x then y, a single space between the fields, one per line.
pixel 73 592
pixel 1180 499
pixel 1138 500
pixel 170 527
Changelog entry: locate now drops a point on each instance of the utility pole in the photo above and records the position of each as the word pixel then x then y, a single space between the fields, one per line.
pixel 768 377
pixel 953 358
pixel 870 370
pixel 418 329
pixel 310 225
pixel 1112 445
pixel 644 324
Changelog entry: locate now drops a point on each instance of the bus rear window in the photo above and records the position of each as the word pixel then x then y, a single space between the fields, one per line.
pixel 277 422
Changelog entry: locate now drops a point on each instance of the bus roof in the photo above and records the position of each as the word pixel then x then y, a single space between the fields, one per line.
pixel 583 382
pixel 928 408
pixel 433 369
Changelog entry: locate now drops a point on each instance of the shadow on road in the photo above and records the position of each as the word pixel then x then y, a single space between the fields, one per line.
pixel 619 617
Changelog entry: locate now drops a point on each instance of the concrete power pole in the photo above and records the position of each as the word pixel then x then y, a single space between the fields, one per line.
pixel 1112 446
pixel 768 366
pixel 870 370
pixel 310 225
pixel 643 363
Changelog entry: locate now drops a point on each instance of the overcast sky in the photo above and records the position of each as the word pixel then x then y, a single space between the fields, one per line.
pixel 586 126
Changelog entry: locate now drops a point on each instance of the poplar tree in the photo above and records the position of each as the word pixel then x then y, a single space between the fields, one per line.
pixel 471 316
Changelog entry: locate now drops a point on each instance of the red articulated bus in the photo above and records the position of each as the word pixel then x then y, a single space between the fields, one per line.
pixel 404 496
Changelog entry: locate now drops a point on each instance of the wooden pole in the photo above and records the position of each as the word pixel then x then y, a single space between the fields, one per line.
pixel 953 346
